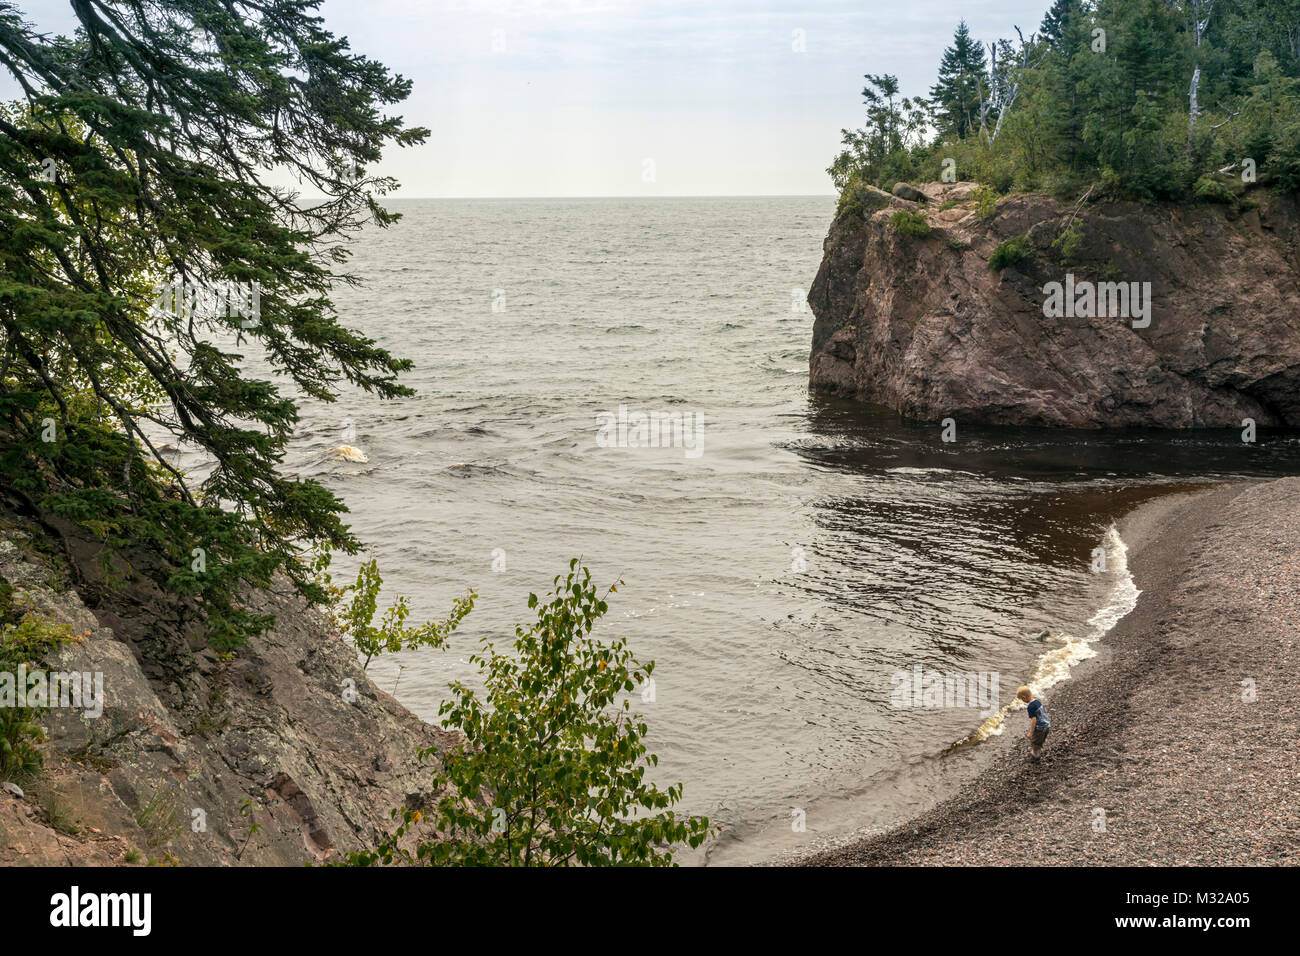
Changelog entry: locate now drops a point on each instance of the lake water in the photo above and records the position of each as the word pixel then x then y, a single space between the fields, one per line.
pixel 784 568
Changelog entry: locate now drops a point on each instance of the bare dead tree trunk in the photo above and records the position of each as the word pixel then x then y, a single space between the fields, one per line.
pixel 1010 98
pixel 1199 25
pixel 1004 85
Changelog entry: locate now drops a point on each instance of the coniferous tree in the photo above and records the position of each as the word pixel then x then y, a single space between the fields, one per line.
pixel 1147 99
pixel 143 149
pixel 956 95
pixel 1057 21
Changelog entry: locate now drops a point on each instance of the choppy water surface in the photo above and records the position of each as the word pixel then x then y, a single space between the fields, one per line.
pixel 781 577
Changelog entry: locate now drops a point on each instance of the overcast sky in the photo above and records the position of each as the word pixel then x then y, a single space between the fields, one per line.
pixel 637 97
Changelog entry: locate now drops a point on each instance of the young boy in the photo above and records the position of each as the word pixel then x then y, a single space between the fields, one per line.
pixel 1038 722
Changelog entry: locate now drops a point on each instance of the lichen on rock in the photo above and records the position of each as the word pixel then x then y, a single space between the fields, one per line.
pixel 194 746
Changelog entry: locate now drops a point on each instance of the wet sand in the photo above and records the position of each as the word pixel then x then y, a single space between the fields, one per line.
pixel 1154 757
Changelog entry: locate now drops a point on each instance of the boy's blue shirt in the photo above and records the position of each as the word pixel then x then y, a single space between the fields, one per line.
pixel 1035 709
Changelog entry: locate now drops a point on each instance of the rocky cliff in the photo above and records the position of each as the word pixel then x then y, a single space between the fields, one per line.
pixel 924 325
pixel 193 748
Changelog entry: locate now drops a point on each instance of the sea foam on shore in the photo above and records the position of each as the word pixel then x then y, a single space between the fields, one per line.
pixel 1054 666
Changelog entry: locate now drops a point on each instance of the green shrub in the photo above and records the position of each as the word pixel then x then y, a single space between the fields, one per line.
pixel 1111 183
pixel 1210 189
pixel 1112 273
pixel 8 613
pixel 20 736
pixel 1283 161
pixel 858 199
pixel 248 810
pixel 1068 186
pixel 1067 244
pixel 25 643
pixel 1011 253
pixel 911 224
pixel 986 202
pixel 356 617
pixel 552 771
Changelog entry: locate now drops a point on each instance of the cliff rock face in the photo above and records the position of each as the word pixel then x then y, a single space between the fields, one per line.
pixel 925 326
pixel 289 724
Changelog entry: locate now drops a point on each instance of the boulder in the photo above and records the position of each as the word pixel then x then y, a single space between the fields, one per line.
pixel 910 193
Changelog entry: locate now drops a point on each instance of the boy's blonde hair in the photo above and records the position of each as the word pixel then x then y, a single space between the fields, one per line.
pixel 1024 693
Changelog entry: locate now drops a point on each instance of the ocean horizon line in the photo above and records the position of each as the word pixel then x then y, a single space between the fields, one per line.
pixel 681 196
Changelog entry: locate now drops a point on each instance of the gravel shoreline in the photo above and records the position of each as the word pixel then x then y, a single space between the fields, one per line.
pixel 1154 757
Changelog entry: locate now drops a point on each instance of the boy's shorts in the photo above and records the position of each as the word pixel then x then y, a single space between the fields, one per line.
pixel 1038 737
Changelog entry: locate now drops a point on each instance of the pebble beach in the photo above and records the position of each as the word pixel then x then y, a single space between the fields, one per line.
pixel 1176 745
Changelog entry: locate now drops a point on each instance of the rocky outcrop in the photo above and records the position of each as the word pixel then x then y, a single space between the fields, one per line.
pixel 925 326
pixel 194 747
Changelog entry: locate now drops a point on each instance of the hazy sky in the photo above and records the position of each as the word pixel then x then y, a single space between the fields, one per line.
pixel 638 97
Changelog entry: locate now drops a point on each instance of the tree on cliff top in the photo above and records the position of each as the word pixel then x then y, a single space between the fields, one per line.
pixel 956 95
pixel 1057 20
pixel 143 148
pixel 1140 99
pixel 893 128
